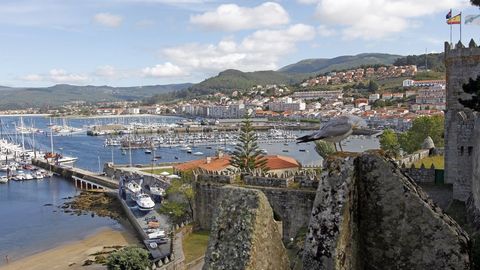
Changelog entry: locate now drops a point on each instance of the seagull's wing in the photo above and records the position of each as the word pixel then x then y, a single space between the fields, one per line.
pixel 365 132
pixel 330 130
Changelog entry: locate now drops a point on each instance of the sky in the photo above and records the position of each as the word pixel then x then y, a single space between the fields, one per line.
pixel 147 42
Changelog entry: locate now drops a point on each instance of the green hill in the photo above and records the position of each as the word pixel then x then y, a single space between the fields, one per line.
pixel 435 61
pixel 12 98
pixel 228 81
pixel 235 79
pixel 323 65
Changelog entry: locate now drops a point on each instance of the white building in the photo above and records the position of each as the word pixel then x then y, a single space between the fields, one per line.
pixel 373 97
pixel 331 95
pixel 286 104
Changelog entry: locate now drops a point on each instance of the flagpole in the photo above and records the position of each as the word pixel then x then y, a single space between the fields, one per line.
pixel 451 34
pixel 460 27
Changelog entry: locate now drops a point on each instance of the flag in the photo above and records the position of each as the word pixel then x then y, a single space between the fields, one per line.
pixel 449 15
pixel 472 19
pixel 455 19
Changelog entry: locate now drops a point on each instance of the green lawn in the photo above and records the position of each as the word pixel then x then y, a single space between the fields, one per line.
pixel 159 171
pixel 195 245
pixel 438 162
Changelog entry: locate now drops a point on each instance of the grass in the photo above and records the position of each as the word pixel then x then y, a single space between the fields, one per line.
pixel 195 245
pixel 159 171
pixel 437 161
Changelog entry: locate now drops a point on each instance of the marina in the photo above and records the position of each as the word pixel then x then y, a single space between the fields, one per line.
pixel 90 153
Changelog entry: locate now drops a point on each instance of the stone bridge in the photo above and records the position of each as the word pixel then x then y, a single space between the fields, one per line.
pixel 291 206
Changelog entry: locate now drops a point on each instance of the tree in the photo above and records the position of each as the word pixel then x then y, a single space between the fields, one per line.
pixel 372 86
pixel 422 127
pixel 181 196
pixel 379 103
pixel 473 88
pixel 176 211
pixel 129 258
pixel 475 2
pixel 247 156
pixel 324 149
pixel 389 143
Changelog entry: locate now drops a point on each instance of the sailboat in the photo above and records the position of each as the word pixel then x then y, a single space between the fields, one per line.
pixel 57 158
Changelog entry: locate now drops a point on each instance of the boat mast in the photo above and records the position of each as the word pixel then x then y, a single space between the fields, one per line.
pixel 33 144
pixel 21 133
pixel 130 151
pixel 51 139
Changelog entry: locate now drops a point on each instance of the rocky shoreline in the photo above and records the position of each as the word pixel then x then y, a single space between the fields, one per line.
pixel 93 203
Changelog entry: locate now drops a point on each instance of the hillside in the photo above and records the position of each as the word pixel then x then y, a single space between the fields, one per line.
pixel 235 79
pixel 322 65
pixel 229 80
pixel 56 95
pixel 435 61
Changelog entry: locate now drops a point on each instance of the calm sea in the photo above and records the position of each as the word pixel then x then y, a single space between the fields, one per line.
pixel 28 226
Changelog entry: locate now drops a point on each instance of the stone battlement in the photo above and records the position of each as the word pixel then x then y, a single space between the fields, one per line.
pixel 460 50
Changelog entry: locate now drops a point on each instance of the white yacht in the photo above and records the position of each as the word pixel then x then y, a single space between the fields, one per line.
pixel 3 179
pixel 144 202
pixel 156 190
pixel 133 187
pixel 38 175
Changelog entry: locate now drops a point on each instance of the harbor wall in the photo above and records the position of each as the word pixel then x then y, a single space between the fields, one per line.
pixel 69 172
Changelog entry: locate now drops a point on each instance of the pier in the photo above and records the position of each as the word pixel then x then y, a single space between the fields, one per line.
pixel 82 178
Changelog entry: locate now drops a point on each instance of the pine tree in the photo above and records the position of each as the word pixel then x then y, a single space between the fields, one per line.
pixel 247 156
pixel 475 2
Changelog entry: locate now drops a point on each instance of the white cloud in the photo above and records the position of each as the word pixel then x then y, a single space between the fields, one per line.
pixel 62 76
pixel 325 31
pixel 260 51
pixel 108 20
pixel 377 19
pixel 164 70
pixel 107 71
pixel 231 17
pixel 32 78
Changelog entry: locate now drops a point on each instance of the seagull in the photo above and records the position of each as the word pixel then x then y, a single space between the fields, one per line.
pixel 338 129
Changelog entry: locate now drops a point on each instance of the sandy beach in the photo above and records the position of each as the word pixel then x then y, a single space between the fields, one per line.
pixel 72 255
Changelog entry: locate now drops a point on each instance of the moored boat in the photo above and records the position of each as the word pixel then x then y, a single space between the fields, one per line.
pixel 133 187
pixel 144 202
pixel 3 179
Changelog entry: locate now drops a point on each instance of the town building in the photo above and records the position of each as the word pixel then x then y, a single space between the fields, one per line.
pixel 276 164
pixel 328 95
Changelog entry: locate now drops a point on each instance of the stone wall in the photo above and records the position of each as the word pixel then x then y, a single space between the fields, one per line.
pixel 331 241
pixel 267 181
pixel 461 64
pixel 409 160
pixel 422 174
pixel 215 177
pixel 368 215
pixel 292 206
pixel 244 234
pixel 307 181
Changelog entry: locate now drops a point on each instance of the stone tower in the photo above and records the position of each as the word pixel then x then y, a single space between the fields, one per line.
pixel 460 142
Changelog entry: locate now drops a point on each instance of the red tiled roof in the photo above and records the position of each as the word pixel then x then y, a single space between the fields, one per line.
pixel 274 162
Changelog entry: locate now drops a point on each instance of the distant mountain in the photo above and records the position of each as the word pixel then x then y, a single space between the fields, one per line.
pixel 59 94
pixel 323 65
